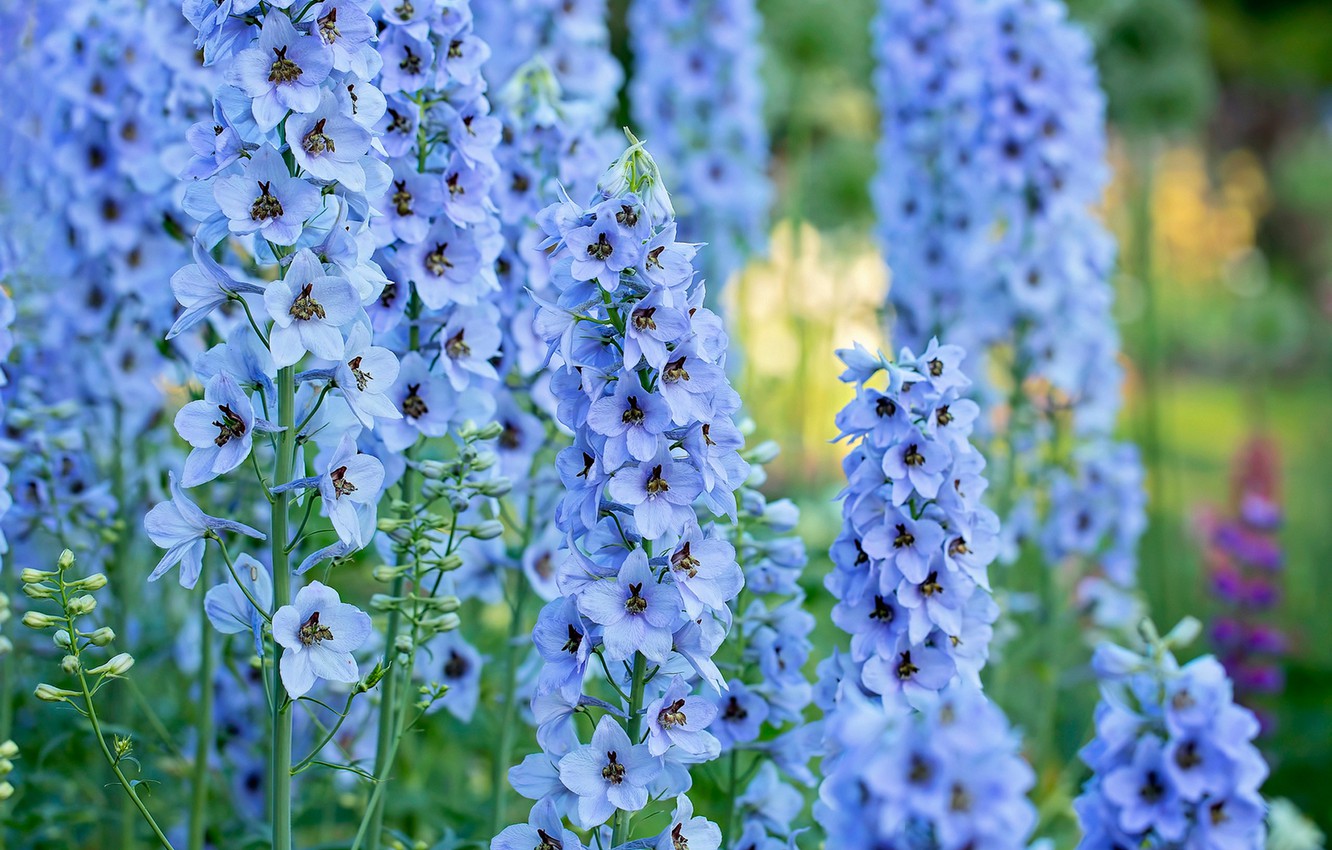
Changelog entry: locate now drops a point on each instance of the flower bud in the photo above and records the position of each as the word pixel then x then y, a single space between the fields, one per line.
pixel 483 460
pixel 387 573
pixel 31 576
pixel 63 638
pixel 102 636
pixel 491 431
pixel 6 790
pixel 487 530
pixel 6 767
pixel 39 591
pixel 372 678
pixel 70 664
pixel 495 487
pixel 444 604
pixel 1185 632
pixel 449 563
pixel 6 645
pixel 384 602
pixel 50 693
pixel 65 561
pixel 445 622
pixel 765 452
pixel 96 581
pixel 8 750
pixel 38 620
pixel 81 605
pixel 434 470
pixel 403 644
pixel 116 665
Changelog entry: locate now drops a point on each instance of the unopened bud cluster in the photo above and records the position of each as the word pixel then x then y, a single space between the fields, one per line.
pixel 73 599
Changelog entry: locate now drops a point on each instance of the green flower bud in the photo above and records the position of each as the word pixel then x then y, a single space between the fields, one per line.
pixel 81 605
pixel 6 645
pixel 31 576
pixel 495 487
pixel 38 620
pixel 6 790
pixel 65 561
pixel 8 749
pixel 6 767
pixel 117 665
pixel 39 591
pixel 491 431
pixel 387 573
pixel 96 581
pixel 63 638
pixel 50 693
pixel 487 530
pixel 449 563
pixel 403 644
pixel 102 636
pixel 70 664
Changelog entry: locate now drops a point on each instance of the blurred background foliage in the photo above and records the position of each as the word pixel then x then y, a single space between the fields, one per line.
pixel 1221 116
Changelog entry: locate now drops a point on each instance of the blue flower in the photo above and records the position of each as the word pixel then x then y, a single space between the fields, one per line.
pixel 318 633
pixel 266 199
pixel 607 774
pixel 544 828
pixel 636 612
pixel 180 527
pixel 679 718
pixel 328 144
pixel 220 427
pixel 350 486
pixel 308 308
pixel 282 71
pixel 231 606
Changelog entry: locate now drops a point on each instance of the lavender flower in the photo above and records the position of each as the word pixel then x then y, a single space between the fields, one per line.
pixel 319 632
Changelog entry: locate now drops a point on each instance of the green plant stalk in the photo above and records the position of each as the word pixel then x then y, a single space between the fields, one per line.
pixel 633 725
pixel 204 736
pixel 90 711
pixel 124 586
pixel 280 772
pixel 386 748
pixel 508 710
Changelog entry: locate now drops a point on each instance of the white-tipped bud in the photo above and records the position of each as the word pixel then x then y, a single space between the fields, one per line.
pixel 765 452
pixel 434 470
pixel 70 664
pixel 65 561
pixel 38 620
pixel 449 564
pixel 6 767
pixel 484 460
pixel 81 605
pixel 445 622
pixel 116 665
pixel 9 750
pixel 50 693
pixel 445 604
pixel 487 530
pixel 38 591
pixel 96 581
pixel 63 638
pixel 383 602
pixel 6 790
pixel 31 576
pixel 6 645
pixel 102 636
pixel 495 487
pixel 1185 632
pixel 387 573
pixel 403 644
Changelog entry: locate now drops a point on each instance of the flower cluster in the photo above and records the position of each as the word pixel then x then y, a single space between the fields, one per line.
pixel 1244 560
pixel 911 563
pixel 992 155
pixel 1173 759
pixel 571 38
pixel 639 375
pixel 697 96
pixel 945 778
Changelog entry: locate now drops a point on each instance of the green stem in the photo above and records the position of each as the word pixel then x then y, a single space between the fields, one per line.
pixel 633 725
pixel 204 736
pixel 280 768
pixel 386 749
pixel 508 710
pixel 732 791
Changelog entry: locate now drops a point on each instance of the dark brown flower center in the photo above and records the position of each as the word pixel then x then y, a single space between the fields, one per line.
pixel 601 249
pixel 305 307
pixel 672 715
pixel 283 70
pixel 636 603
pixel 312 632
pixel 341 486
pixel 229 426
pixel 456 346
pixel 413 405
pixel 317 141
pixel 267 205
pixel 684 561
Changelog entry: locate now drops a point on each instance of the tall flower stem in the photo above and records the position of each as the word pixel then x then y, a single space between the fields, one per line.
pixel 203 736
pixel 280 779
pixel 633 725
pixel 394 683
pixel 508 709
